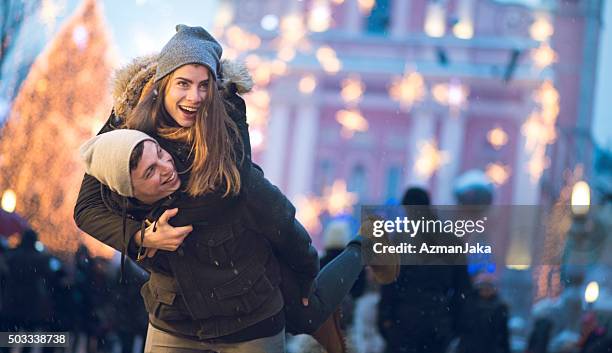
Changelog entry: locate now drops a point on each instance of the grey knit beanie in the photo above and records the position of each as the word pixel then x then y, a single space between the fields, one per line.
pixel 107 158
pixel 190 45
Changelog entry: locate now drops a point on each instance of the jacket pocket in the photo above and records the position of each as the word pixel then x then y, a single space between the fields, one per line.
pixel 213 244
pixel 163 304
pixel 245 293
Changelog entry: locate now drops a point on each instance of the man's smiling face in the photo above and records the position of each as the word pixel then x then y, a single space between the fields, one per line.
pixel 155 175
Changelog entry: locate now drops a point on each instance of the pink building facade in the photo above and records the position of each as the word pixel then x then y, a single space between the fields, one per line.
pixel 304 151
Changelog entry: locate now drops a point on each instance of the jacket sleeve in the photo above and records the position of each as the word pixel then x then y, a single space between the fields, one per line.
pixel 273 215
pixel 271 212
pixel 93 217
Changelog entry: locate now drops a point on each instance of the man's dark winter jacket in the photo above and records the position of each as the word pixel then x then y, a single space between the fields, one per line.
pixel 225 276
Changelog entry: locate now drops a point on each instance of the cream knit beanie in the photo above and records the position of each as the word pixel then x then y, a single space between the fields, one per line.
pixel 107 158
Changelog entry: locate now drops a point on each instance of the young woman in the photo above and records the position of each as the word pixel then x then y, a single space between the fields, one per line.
pixel 220 289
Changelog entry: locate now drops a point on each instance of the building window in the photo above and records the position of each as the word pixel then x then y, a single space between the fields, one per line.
pixel 357 182
pixel 380 17
pixel 463 23
pixel 394 175
pixel 326 176
pixel 435 18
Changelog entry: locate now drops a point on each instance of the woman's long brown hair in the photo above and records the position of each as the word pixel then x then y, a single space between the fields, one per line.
pixel 212 138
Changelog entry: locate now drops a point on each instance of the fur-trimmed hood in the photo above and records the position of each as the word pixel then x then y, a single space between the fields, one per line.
pixel 130 80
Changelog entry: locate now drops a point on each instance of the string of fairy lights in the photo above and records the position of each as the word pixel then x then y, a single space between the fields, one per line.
pixel 408 90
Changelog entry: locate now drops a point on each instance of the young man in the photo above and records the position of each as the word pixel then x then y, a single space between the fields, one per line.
pixel 133 165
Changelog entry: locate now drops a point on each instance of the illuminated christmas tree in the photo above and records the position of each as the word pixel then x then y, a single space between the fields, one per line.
pixel 63 100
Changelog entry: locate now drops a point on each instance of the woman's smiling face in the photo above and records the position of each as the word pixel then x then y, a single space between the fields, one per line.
pixel 186 93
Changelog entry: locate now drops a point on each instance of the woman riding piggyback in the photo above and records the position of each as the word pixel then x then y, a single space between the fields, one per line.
pixel 220 284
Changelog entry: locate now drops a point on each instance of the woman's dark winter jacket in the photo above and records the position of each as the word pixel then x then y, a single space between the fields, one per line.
pixel 225 276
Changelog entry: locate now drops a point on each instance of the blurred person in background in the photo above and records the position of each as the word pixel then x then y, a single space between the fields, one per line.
pixel 486 319
pixel 28 305
pixel 82 296
pixel 4 272
pixel 595 337
pixel 421 311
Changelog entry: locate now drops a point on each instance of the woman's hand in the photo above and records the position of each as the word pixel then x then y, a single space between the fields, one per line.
pixel 165 237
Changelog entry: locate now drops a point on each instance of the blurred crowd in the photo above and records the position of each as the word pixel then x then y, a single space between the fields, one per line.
pixel 429 309
pixel 39 293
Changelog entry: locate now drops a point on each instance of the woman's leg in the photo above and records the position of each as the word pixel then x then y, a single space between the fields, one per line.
pixel 332 284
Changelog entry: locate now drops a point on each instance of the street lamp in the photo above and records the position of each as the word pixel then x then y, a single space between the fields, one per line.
pixel 591 293
pixel 581 199
pixel 9 201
